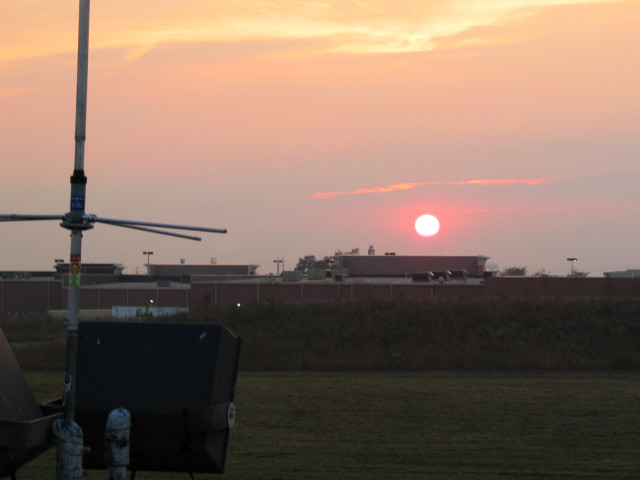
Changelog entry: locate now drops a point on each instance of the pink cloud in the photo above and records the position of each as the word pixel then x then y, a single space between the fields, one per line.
pixel 388 188
pixel 411 185
pixel 500 181
pixel 14 92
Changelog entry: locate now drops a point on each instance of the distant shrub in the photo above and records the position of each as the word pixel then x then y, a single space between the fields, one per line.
pixel 485 334
pixel 438 334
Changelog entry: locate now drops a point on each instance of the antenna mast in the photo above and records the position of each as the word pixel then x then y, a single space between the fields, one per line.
pixel 68 434
pixel 74 220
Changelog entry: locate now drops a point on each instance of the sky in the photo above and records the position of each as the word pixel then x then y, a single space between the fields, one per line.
pixel 309 127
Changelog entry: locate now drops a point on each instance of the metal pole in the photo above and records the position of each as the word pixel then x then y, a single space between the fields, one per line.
pixel 148 261
pixel 573 260
pixel 81 91
pixel 278 261
pixel 72 321
pixel 68 434
pixel 75 221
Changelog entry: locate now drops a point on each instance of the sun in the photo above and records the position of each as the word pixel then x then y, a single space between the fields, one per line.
pixel 427 225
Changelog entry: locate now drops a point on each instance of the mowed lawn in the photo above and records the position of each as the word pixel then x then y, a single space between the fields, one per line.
pixel 429 425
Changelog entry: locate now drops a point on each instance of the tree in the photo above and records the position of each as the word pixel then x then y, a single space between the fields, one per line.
pixel 310 262
pixel 305 263
pixel 514 272
pixel 578 274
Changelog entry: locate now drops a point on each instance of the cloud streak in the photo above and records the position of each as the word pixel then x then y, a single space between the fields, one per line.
pixel 387 189
pixel 412 185
pixel 14 92
pixel 341 27
pixel 501 181
pixel 363 28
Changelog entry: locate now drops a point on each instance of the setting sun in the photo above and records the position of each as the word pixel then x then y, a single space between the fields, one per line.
pixel 427 225
pixel 362 117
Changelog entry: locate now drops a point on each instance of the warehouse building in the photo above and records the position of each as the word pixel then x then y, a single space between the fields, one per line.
pixel 391 265
pixel 214 269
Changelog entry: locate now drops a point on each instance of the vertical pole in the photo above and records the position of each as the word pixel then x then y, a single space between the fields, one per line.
pixel 81 89
pixel 72 321
pixel 68 435
pixel 75 219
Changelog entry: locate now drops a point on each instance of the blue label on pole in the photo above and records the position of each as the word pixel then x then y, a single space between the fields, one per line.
pixel 77 202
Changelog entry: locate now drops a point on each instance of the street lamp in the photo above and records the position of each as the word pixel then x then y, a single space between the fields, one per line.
pixel 278 261
pixel 573 261
pixel 148 262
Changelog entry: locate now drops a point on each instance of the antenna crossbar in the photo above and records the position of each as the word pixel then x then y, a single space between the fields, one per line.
pixel 88 221
pixel 115 221
pixel 153 230
pixel 17 217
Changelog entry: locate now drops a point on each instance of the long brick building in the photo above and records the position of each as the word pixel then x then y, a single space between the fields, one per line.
pixel 40 296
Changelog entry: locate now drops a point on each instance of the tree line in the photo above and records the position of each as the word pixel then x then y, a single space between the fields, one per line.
pixel 522 272
pixel 309 263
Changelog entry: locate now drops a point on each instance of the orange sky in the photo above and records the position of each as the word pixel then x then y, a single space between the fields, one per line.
pixel 311 127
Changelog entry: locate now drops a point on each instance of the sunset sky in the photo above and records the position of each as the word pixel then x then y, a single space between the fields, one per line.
pixel 309 127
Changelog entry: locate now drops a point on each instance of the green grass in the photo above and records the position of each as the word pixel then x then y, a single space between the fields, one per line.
pixel 414 425
pixel 487 334
pixel 485 389
pixel 441 334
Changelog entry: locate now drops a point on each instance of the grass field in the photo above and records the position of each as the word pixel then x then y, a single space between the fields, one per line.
pixel 486 335
pixel 420 425
pixel 488 389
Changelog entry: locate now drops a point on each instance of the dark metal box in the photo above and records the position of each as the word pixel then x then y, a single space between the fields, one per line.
pixel 178 382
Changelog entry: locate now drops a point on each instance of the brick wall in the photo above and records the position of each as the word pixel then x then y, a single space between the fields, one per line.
pixel 37 297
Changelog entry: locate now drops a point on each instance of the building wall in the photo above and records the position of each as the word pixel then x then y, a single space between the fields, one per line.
pixel 403 265
pixel 630 273
pixel 159 270
pixel 29 297
pixel 114 297
pixel 561 287
pixel 37 297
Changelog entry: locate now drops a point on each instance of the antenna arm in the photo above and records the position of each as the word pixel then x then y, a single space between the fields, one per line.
pixel 16 217
pixel 115 221
pixel 152 230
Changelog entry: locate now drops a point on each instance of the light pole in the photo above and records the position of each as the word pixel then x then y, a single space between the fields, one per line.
pixel 573 261
pixel 148 254
pixel 278 261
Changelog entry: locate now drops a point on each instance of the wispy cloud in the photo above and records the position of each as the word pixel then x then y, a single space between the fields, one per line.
pixel 387 189
pixel 14 92
pixel 411 185
pixel 363 28
pixel 501 181
pixel 345 27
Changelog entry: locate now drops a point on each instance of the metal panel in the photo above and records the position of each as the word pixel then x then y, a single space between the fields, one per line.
pixel 23 429
pixel 177 380
pixel 152 365
pixel 17 403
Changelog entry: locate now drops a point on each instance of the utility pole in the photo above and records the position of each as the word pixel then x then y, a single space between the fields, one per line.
pixel 278 261
pixel 148 262
pixel 573 261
